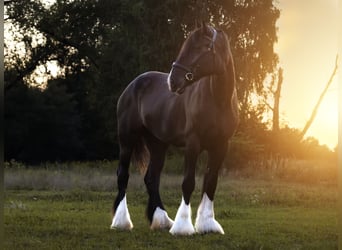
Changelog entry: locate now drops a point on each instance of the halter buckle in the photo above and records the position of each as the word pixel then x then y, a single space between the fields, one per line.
pixel 189 76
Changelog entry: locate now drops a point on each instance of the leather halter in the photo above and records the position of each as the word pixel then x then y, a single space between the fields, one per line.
pixel 189 75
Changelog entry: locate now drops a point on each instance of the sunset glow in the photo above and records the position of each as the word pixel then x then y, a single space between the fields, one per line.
pixel 307 48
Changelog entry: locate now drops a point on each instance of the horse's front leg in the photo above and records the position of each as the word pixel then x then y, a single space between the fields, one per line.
pixel 205 219
pixel 183 224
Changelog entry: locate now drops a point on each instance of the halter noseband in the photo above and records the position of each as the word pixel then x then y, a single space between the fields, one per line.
pixel 189 75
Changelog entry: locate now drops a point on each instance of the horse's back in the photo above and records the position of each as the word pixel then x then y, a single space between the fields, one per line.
pixel 137 96
pixel 148 82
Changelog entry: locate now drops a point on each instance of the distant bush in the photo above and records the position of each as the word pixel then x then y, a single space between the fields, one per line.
pixel 246 148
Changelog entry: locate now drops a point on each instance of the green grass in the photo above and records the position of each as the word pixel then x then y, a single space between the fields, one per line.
pixel 255 214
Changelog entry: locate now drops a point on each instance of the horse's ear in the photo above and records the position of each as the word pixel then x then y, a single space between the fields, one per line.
pixel 197 24
pixel 205 28
pixel 204 24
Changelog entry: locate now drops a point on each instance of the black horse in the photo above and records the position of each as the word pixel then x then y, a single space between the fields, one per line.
pixel 195 107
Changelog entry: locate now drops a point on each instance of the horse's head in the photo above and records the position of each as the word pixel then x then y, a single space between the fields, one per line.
pixel 202 54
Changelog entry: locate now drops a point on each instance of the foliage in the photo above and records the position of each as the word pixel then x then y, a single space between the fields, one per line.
pixel 257 145
pixel 100 46
pixel 90 47
pixel 47 127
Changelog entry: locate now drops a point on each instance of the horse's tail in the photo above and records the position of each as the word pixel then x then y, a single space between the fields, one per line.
pixel 141 156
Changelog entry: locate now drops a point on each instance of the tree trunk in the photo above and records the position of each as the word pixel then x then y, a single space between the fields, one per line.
pixel 276 94
pixel 314 112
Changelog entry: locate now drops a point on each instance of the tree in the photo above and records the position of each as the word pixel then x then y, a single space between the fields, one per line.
pixel 251 25
pixel 100 46
pixel 41 126
pixel 276 97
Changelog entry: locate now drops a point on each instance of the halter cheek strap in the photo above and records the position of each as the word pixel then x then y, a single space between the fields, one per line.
pixel 212 45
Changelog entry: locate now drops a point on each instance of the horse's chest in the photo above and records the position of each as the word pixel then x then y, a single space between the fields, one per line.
pixel 211 126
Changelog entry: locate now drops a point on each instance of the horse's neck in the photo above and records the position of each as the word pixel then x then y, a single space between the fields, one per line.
pixel 222 88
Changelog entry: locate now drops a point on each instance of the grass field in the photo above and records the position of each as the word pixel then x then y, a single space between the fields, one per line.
pixel 45 211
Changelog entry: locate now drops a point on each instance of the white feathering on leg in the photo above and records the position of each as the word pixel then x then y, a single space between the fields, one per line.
pixel 183 224
pixel 205 220
pixel 161 220
pixel 122 219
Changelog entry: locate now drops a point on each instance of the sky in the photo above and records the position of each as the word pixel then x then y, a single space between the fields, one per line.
pixel 307 47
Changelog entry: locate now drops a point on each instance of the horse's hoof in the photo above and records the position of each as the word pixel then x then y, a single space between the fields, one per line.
pixel 183 224
pixel 205 220
pixel 122 219
pixel 208 225
pixel 182 227
pixel 161 220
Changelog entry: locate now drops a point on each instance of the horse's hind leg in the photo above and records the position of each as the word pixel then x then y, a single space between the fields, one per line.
pixel 156 213
pixel 121 218
pixel 205 220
